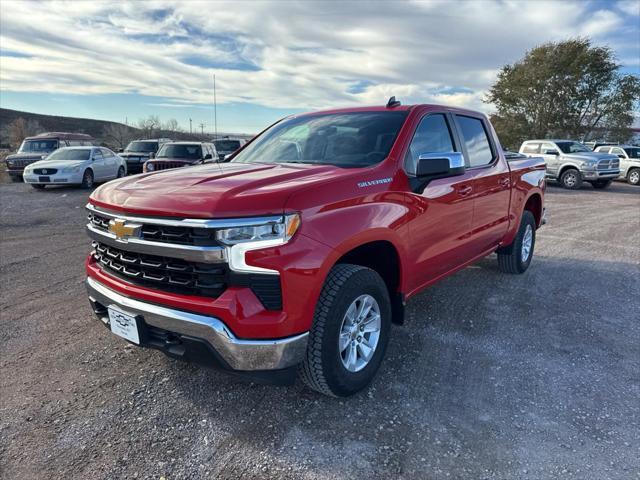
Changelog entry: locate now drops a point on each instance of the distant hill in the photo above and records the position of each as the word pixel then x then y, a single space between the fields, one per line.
pixel 113 134
pixel 52 123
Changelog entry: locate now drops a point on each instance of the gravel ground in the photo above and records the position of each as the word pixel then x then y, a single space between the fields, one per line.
pixel 493 376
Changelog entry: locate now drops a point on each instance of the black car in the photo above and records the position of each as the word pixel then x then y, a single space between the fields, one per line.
pixel 181 154
pixel 139 151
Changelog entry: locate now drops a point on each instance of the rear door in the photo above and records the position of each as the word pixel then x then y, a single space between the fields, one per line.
pixel 491 182
pixel 110 162
pixel 551 160
pixel 441 226
pixel 98 165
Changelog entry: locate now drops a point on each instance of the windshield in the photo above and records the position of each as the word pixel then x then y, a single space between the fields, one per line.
pixel 180 151
pixel 44 146
pixel 572 147
pixel 145 147
pixel 70 154
pixel 227 145
pixel 633 152
pixel 357 139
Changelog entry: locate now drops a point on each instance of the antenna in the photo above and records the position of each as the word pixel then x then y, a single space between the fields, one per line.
pixel 393 102
pixel 190 126
pixel 215 108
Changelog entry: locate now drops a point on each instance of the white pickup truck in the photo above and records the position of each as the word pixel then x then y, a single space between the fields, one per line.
pixel 572 163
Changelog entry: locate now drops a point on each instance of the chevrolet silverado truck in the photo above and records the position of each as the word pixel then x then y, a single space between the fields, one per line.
pixel 572 163
pixel 299 253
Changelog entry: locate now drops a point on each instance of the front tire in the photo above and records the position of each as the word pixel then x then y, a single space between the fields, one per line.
pixel 87 179
pixel 571 179
pixel 120 172
pixel 516 258
pixel 633 177
pixel 601 184
pixel 350 332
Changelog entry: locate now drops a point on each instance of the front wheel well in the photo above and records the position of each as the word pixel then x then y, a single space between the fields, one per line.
pixel 382 257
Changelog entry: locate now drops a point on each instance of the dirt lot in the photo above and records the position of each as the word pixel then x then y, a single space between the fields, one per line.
pixel 493 376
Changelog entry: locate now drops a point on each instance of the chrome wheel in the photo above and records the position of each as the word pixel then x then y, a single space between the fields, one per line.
pixel 634 177
pixel 527 242
pixel 570 179
pixel 359 333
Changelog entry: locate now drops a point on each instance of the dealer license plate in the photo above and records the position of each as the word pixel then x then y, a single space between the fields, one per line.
pixel 124 325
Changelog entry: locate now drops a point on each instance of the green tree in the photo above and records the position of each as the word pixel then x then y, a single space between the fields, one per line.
pixel 568 89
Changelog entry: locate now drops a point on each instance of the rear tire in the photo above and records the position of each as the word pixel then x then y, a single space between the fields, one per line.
pixel 633 176
pixel 571 179
pixel 120 172
pixel 516 258
pixel 37 186
pixel 338 361
pixel 87 179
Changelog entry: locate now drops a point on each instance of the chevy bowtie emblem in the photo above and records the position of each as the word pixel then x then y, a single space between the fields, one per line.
pixel 124 230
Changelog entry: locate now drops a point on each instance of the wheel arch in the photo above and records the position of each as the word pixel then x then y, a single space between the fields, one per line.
pixel 534 205
pixel 566 167
pixel 383 257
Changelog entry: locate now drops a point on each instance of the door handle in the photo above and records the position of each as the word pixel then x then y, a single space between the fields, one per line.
pixel 464 190
pixel 504 182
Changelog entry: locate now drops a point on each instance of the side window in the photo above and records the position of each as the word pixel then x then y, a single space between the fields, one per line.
pixel 531 148
pixel 431 136
pixel 617 151
pixel 106 153
pixel 548 146
pixel 97 155
pixel 476 140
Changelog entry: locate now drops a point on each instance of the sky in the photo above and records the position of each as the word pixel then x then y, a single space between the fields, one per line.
pixel 123 61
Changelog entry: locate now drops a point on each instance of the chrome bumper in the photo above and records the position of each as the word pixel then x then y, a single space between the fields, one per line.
pixel 239 354
pixel 601 174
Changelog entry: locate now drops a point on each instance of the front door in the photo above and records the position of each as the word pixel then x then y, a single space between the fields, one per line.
pixel 441 224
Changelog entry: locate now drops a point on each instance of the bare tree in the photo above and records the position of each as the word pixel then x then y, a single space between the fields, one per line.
pixel 118 135
pixel 149 125
pixel 20 128
pixel 171 125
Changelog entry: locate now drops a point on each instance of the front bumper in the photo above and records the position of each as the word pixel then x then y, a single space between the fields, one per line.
pixel 600 174
pixel 183 331
pixel 57 179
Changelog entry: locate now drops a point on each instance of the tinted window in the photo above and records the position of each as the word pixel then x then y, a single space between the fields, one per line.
pixel 142 147
pixel 476 140
pixel 227 145
pixel 531 148
pixel 355 139
pixel 633 152
pixel 432 136
pixel 178 150
pixel 38 146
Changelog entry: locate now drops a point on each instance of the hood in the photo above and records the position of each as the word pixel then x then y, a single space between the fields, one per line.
pixel 59 164
pixel 25 156
pixel 589 156
pixel 213 190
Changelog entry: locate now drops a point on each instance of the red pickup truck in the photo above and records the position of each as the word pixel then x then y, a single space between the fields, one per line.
pixel 299 253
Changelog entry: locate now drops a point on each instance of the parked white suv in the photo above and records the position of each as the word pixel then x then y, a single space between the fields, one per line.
pixel 571 163
pixel 629 161
pixel 75 166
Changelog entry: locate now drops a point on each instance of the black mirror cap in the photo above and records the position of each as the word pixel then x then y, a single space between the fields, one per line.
pixel 550 152
pixel 440 165
pixel 208 156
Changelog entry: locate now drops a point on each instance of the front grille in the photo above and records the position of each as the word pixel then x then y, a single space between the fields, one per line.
pixel 201 237
pixel 609 164
pixel 21 162
pixel 45 171
pixel 167 165
pixel 170 274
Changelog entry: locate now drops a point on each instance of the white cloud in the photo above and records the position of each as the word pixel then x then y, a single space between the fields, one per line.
pixel 302 55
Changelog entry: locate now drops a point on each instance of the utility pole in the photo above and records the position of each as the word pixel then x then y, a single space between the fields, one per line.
pixel 215 109
pixel 202 128
pixel 190 127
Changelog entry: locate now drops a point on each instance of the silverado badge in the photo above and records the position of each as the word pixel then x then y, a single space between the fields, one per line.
pixel 124 230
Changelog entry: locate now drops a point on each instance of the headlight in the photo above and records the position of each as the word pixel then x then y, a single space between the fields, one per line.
pixel 281 230
pixel 70 170
pixel 9 163
pixel 240 240
pixel 590 165
pixel 149 167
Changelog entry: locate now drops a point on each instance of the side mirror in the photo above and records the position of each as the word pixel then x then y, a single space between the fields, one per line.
pixel 207 157
pixel 221 157
pixel 550 152
pixel 120 150
pixel 621 156
pixel 440 165
pixel 152 155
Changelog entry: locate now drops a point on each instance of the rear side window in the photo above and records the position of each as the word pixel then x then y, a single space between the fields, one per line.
pixel 476 140
pixel 106 153
pixel 97 155
pixel 432 136
pixel 531 148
